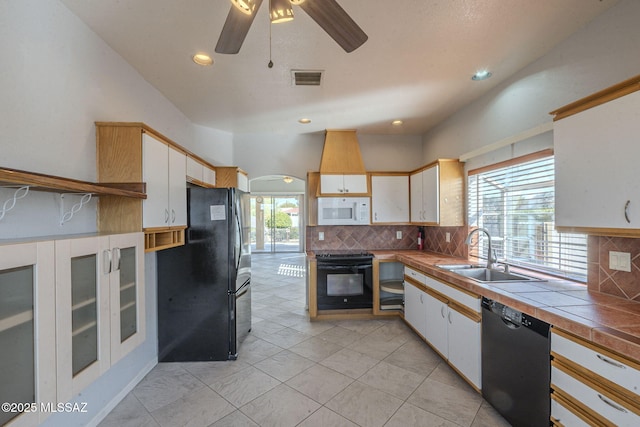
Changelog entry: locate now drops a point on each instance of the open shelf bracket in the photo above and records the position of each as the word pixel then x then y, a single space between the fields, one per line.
pixel 66 216
pixel 11 203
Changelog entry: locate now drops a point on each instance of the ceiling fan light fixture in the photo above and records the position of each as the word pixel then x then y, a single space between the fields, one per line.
pixel 397 122
pixel 304 121
pixel 280 11
pixel 245 6
pixel 287 180
pixel 297 2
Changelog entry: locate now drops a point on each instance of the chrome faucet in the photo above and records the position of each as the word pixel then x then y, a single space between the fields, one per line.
pixel 491 258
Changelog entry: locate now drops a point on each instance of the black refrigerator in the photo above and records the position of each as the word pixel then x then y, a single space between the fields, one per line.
pixel 204 287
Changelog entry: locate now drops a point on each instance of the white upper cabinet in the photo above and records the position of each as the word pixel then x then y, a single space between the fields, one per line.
pixel 390 198
pixel 343 184
pixel 437 194
pixel 195 169
pixel 596 156
pixel 200 173
pixel 164 171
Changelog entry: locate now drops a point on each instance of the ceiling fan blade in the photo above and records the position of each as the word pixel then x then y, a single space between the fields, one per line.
pixel 235 30
pixel 336 22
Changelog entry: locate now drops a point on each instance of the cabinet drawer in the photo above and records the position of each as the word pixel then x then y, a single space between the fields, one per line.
pixel 613 368
pixel 463 298
pixel 604 405
pixel 415 275
pixel 565 416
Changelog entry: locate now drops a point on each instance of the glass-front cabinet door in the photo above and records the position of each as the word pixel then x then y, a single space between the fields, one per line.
pixel 82 300
pixel 27 331
pixel 127 293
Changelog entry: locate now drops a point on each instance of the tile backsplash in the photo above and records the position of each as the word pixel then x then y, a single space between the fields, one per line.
pixel 600 277
pixel 361 237
pixel 619 283
pixel 435 240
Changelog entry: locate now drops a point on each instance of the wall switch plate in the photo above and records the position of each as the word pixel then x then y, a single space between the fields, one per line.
pixel 320 235
pixel 620 261
pixel 447 237
pixel 399 235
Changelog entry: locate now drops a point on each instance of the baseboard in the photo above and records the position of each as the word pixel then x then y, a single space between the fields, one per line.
pixel 123 393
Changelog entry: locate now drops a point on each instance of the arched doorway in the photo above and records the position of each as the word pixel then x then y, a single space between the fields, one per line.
pixel 277 212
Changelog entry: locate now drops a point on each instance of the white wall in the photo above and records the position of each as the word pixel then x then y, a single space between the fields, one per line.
pixel 601 54
pixel 295 155
pixel 56 79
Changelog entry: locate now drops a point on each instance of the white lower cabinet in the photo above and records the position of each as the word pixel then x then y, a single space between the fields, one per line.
pixel 27 332
pixel 59 303
pixel 82 313
pixel 437 329
pixel 592 384
pixel 98 296
pixel 126 282
pixel 414 308
pixel 465 345
pixel 449 322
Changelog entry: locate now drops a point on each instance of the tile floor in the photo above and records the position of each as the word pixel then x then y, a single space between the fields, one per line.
pixel 291 372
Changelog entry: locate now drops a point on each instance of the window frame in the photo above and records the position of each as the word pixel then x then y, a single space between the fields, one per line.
pixel 545 250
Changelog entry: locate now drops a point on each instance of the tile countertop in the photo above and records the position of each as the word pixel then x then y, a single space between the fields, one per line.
pixel 612 322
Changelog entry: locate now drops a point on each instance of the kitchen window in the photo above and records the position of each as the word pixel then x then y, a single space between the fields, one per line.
pixel 514 201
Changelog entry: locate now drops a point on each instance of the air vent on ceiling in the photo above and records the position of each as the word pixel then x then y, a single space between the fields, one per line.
pixel 306 77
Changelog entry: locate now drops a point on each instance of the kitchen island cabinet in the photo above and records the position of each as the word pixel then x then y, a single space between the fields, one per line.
pixel 596 150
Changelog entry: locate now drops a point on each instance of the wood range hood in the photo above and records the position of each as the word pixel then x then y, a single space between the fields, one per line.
pixel 341 154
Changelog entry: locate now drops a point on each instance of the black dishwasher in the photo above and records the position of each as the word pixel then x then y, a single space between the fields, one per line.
pixel 516 368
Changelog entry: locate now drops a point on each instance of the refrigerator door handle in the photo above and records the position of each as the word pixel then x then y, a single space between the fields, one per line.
pixel 240 243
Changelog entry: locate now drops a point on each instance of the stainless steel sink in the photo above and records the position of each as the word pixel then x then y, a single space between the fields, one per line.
pixel 486 275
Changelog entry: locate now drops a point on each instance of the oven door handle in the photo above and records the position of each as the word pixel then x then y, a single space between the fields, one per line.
pixel 344 267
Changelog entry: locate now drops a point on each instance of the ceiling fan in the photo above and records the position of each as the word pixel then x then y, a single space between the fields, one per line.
pixel 327 13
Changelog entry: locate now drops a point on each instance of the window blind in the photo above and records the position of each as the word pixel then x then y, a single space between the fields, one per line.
pixel 515 203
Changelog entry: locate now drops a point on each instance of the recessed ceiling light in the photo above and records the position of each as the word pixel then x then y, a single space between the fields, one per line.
pixel 481 75
pixel 304 121
pixel 397 122
pixel 202 59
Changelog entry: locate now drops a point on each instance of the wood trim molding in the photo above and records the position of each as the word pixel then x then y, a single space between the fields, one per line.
pixel 53 183
pixel 595 231
pixel 609 94
pixel 517 160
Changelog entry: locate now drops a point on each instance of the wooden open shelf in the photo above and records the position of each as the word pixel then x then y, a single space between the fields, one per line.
pixel 42 182
pixel 157 239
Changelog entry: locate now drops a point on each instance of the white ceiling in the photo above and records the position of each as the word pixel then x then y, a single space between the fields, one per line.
pixel 416 65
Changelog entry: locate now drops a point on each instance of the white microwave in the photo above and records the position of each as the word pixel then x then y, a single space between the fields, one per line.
pixel 343 211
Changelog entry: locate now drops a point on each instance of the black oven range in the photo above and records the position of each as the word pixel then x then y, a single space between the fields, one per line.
pixel 344 280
